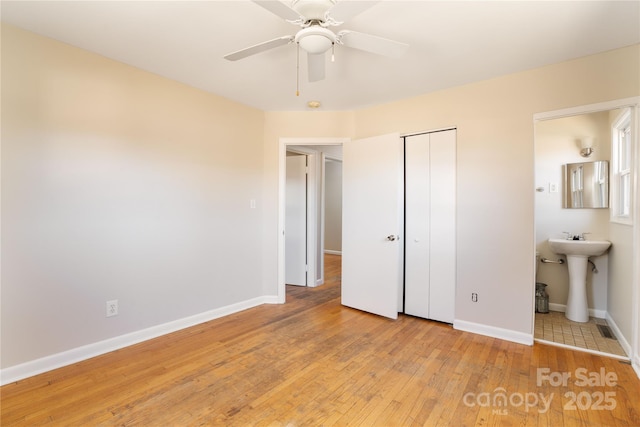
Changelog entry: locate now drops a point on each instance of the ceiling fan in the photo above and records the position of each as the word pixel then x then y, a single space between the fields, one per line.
pixel 314 16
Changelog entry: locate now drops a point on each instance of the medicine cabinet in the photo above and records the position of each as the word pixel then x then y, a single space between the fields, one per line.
pixel 586 185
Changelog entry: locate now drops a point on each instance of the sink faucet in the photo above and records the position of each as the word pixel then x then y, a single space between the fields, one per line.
pixel 571 236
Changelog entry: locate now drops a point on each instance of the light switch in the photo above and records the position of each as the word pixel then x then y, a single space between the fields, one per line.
pixel 553 187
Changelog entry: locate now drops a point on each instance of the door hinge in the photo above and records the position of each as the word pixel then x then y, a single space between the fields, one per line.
pixel 306 268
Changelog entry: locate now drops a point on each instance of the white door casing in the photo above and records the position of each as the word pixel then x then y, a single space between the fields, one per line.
pixel 372 217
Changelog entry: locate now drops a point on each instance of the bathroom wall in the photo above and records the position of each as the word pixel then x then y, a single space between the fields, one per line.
pixel 620 280
pixel 557 143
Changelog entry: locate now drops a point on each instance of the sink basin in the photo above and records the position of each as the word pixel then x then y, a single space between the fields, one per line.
pixel 578 253
pixel 579 247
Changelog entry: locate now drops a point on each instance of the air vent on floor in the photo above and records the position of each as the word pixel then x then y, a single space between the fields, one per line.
pixel 605 331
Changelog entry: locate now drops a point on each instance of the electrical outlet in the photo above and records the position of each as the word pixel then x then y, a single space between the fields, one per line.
pixel 553 187
pixel 474 297
pixel 112 308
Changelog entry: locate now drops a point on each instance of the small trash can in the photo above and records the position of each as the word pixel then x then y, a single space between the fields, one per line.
pixel 542 298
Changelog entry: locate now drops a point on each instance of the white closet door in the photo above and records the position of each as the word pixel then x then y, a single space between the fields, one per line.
pixel 417 224
pixel 430 173
pixel 372 193
pixel 442 277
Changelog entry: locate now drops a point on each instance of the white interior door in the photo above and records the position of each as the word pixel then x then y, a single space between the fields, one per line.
pixel 295 243
pixel 372 217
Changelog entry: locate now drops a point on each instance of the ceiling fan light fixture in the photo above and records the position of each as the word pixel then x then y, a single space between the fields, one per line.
pixel 315 39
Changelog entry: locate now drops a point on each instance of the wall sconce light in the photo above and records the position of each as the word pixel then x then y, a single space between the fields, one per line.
pixel 586 146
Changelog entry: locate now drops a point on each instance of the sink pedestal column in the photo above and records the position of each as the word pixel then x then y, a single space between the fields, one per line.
pixel 577 307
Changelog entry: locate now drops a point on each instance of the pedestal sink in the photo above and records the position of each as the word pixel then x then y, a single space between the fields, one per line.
pixel 578 252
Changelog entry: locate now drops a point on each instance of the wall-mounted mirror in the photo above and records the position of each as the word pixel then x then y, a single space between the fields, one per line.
pixel 586 185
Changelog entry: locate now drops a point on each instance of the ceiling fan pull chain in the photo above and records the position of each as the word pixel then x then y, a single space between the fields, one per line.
pixel 333 52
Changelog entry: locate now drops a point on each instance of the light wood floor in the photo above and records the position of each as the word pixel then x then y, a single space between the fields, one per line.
pixel 314 362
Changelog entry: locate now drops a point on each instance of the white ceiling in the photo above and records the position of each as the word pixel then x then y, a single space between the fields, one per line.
pixel 451 43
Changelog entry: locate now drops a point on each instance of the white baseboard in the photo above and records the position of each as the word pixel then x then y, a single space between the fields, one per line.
pixel 316 283
pixel 492 331
pixel 557 307
pixel 330 252
pixel 618 333
pixel 78 354
pixel 635 363
pixel 599 314
pixel 270 299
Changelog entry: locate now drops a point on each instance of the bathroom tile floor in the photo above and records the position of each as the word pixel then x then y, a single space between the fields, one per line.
pixel 555 327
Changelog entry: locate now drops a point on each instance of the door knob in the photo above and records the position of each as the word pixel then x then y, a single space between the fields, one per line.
pixel 392 237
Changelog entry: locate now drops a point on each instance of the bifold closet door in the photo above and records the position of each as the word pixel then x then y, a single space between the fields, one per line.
pixel 430 252
pixel 417 226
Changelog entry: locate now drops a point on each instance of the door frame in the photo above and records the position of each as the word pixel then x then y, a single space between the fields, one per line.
pixel 635 286
pixel 314 223
pixel 282 153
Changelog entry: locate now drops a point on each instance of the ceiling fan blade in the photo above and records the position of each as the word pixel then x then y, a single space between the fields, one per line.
pixel 345 10
pixel 373 44
pixel 279 9
pixel 315 63
pixel 261 47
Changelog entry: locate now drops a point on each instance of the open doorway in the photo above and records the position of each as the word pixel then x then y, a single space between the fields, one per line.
pixel 612 279
pixel 317 151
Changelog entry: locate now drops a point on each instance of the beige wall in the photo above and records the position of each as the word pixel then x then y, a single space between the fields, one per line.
pixel 118 184
pixel 495 161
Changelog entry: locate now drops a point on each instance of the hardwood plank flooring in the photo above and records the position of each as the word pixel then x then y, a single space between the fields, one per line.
pixel 313 362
